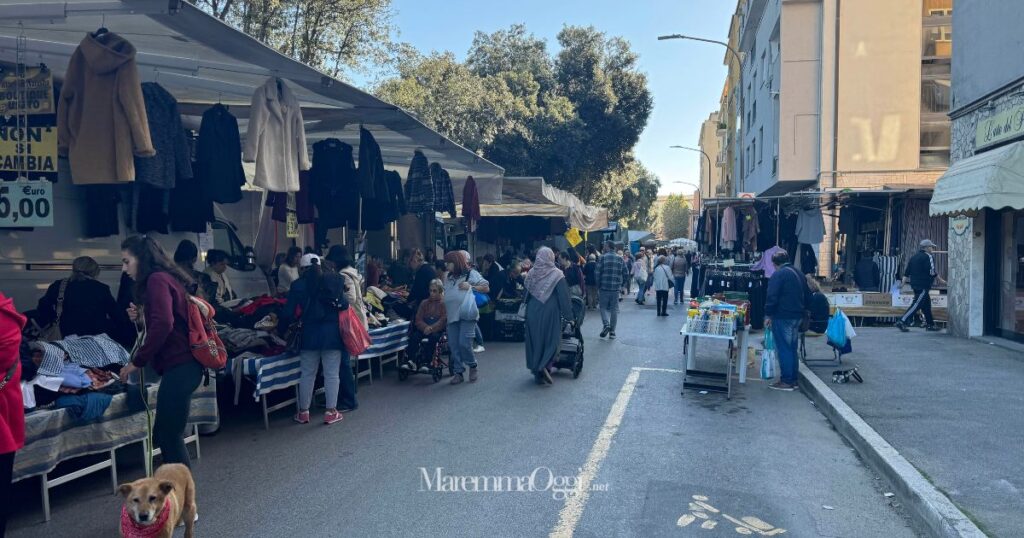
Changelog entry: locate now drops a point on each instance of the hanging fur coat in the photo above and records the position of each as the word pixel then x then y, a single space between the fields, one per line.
pixel 276 139
pixel 101 117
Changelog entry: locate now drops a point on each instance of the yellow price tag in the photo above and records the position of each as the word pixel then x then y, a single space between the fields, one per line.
pixel 573 236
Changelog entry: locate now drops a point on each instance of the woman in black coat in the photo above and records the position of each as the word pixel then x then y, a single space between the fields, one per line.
pixel 88 307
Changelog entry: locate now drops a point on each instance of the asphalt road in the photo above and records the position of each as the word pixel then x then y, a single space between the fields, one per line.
pixel 658 463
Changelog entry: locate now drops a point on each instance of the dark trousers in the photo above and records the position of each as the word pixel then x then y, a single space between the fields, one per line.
pixel 662 301
pixel 173 400
pixel 695 282
pixel 347 389
pixel 923 302
pixel 6 469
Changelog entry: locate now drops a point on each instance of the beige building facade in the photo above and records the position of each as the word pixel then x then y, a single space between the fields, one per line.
pixel 709 142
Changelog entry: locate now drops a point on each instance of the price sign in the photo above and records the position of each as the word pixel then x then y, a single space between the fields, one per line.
pixel 291 226
pixel 572 235
pixel 28 94
pixel 26 204
pixel 28 151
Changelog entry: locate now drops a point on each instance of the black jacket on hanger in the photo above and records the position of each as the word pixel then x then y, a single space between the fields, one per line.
pixel 219 156
pixel 333 184
pixel 172 160
pixel 419 187
pixel 372 183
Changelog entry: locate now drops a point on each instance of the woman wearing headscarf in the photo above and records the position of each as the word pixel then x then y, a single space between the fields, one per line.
pixel 547 304
pixel 459 281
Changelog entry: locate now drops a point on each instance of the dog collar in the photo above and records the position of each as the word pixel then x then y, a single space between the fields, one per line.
pixel 133 529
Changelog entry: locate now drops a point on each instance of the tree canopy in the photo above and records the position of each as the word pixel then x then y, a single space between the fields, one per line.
pixel 673 218
pixel 572 118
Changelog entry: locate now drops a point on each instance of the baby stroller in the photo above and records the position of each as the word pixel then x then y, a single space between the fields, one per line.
pixel 429 359
pixel 570 352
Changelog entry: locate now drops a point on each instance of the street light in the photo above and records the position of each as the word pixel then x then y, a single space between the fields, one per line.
pixel 706 156
pixel 739 61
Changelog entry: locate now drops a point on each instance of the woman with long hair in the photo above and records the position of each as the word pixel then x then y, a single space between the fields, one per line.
pixel 288 271
pixel 547 304
pixel 459 281
pixel 160 309
pixel 315 299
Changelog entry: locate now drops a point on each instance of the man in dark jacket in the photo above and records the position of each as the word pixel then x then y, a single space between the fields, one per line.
pixel 788 296
pixel 866 273
pixel 920 274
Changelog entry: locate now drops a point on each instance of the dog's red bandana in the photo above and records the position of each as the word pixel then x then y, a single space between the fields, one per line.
pixel 132 529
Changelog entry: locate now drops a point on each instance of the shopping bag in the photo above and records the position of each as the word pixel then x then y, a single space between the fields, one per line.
pixel 768 357
pixel 850 333
pixel 468 311
pixel 836 331
pixel 353 334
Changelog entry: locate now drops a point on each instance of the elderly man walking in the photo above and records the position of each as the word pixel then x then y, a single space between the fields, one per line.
pixel 921 274
pixel 788 296
pixel 609 279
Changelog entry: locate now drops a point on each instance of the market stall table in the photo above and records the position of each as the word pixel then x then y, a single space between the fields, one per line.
pixel 53 436
pixel 274 373
pixel 737 339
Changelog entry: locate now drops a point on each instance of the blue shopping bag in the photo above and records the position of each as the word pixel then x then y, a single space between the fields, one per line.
pixel 769 360
pixel 836 331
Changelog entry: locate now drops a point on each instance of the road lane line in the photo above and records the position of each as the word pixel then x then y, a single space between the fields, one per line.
pixel 669 370
pixel 571 513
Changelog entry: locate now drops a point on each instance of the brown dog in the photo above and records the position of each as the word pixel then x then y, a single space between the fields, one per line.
pixel 154 506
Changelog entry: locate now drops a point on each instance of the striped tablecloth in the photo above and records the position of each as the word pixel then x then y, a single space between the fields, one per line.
pixel 282 371
pixel 52 436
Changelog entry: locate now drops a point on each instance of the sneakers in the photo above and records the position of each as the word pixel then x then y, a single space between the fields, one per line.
pixel 456 379
pixel 472 375
pixel 782 386
pixel 932 328
pixel 302 417
pixel 478 349
pixel 611 335
pixel 902 327
pixel 331 417
pixel 605 331
pixel 547 376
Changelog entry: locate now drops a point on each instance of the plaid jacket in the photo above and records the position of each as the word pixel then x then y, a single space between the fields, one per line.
pixel 444 196
pixel 609 272
pixel 419 188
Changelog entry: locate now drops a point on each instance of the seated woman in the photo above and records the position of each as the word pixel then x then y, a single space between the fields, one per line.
pixel 819 307
pixel 217 286
pixel 431 320
pixel 82 305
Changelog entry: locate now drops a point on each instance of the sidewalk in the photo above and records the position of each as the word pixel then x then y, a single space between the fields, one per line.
pixel 953 407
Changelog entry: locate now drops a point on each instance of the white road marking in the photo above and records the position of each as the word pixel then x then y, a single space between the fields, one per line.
pixel 571 513
pixel 670 370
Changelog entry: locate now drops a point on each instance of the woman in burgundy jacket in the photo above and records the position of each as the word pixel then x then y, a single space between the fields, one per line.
pixel 12 411
pixel 160 286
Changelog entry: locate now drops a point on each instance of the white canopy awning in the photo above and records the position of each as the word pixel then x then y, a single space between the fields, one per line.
pixel 202 61
pixel 532 196
pixel 994 179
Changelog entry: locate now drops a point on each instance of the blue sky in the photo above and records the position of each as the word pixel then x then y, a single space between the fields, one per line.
pixel 685 77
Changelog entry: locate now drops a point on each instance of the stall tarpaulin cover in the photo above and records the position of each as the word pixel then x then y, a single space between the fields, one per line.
pixel 532 196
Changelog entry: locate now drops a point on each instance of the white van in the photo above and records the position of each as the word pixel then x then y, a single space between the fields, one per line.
pixel 30 260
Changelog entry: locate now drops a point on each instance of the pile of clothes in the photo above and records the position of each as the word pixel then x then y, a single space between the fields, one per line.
pixel 78 373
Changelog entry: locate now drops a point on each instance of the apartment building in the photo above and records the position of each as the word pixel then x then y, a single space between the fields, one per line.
pixel 709 142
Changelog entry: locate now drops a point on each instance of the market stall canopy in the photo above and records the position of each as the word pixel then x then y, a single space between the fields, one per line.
pixel 994 179
pixel 532 196
pixel 639 235
pixel 684 243
pixel 203 61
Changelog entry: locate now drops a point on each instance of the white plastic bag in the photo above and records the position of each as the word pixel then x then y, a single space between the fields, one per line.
pixel 469 311
pixel 850 333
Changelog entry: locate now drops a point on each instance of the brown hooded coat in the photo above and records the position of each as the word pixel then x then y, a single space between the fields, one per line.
pixel 101 118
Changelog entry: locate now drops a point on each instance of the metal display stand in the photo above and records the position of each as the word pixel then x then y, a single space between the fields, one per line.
pixel 695 379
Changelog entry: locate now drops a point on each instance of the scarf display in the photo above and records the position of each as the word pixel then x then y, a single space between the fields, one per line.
pixel 543 276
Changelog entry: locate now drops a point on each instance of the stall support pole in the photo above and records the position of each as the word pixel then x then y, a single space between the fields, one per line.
pixel 887 242
pixel 778 219
pixel 718 236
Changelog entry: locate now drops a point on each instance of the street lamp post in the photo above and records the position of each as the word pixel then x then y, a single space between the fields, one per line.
pixel 739 61
pixel 706 156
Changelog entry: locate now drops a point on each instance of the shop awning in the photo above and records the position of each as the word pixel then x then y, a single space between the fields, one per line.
pixel 203 61
pixel 532 196
pixel 994 180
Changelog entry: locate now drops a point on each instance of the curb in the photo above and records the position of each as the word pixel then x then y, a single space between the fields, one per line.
pixel 929 507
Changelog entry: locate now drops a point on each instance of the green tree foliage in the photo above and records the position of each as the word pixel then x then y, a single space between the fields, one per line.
pixel 674 218
pixel 572 118
pixel 337 36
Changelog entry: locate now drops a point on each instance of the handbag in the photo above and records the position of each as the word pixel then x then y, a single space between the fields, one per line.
pixel 355 337
pixel 481 298
pixel 51 333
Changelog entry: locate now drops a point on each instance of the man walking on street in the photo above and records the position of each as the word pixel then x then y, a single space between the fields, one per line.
pixel 921 273
pixel 609 281
pixel 680 267
pixel 787 301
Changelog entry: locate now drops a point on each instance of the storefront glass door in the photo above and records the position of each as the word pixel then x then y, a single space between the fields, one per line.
pixel 1011 263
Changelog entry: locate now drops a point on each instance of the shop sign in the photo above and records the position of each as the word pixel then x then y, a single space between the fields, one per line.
pixel 906 299
pixel 843 300
pixel 35 96
pixel 748 195
pixel 960 224
pixel 291 226
pixel 1000 127
pixel 26 204
pixel 28 152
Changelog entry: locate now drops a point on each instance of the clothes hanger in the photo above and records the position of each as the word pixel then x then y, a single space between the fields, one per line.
pixel 103 27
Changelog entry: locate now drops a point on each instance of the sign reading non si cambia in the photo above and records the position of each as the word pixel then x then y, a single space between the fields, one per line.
pixel 28 94
pixel 29 152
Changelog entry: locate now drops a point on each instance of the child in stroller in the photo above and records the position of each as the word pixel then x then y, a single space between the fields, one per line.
pixel 427 335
